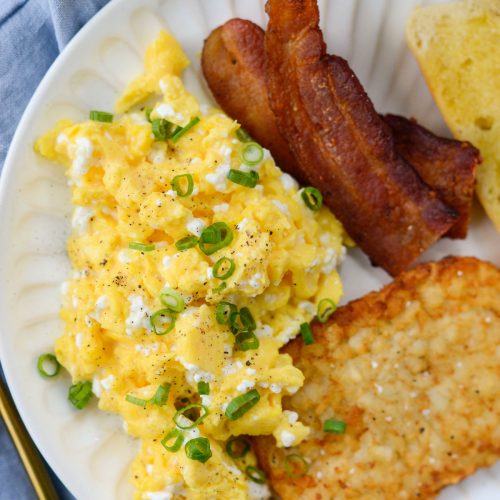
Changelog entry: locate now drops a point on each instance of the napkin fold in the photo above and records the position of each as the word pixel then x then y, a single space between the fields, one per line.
pixel 32 34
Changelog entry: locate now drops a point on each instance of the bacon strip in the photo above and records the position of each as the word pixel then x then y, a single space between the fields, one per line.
pixel 342 145
pixel 448 166
pixel 233 64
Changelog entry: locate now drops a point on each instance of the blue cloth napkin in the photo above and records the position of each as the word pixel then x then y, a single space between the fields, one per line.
pixel 32 34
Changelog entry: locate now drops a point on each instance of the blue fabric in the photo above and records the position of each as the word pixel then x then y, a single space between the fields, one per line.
pixel 32 33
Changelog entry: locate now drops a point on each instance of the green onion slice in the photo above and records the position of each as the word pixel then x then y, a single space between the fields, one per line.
pixel 176 185
pixel 220 265
pixel 238 447
pixel 296 465
pixel 142 247
pixel 247 179
pixel 162 321
pixel 161 395
pixel 334 426
pixel 79 394
pixel 214 233
pixel 326 307
pixel 312 198
pixel 147 113
pixel 178 437
pixel 241 404
pixel 180 132
pixel 306 332
pixel 246 341
pixel 172 300
pixel 215 237
pixel 255 474
pixel 203 388
pixel 159 399
pixel 220 288
pixel 198 449
pixel 136 401
pixel 243 135
pixel 100 116
pixel 251 154
pixel 162 129
pixel 242 321
pixel 186 243
pixel 47 365
pixel 180 418
pixel 223 311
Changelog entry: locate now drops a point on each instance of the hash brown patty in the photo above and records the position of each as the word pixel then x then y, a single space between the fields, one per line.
pixel 414 371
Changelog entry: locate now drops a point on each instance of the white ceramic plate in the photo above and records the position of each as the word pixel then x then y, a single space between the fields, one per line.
pixel 88 449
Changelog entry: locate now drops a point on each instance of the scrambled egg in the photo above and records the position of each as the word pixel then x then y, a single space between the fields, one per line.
pixel 284 253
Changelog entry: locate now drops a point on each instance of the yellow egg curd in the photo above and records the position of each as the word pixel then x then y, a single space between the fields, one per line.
pixel 278 261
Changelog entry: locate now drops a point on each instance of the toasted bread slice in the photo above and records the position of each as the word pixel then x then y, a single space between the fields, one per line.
pixel 458 48
pixel 413 371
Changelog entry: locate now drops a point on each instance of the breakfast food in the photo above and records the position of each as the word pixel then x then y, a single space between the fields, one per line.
pixel 343 146
pixel 405 383
pixel 446 165
pixel 195 259
pixel 233 62
pixel 457 47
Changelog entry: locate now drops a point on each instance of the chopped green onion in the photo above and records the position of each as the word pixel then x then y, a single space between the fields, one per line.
pixel 223 312
pixel 251 154
pixel 172 299
pixel 255 474
pixel 186 243
pixel 306 332
pixel 180 416
pixel 326 307
pixel 180 132
pixel 136 401
pixel 237 447
pixel 220 288
pixel 159 399
pixel 215 237
pixel 296 465
pixel 241 404
pixel 226 262
pixel 246 341
pixel 198 449
pixel 79 394
pixel 312 198
pixel 162 129
pixel 162 321
pixel 161 395
pixel 176 185
pixel 47 365
pixel 148 112
pixel 247 179
pixel 334 426
pixel 242 321
pixel 176 445
pixel 215 233
pixel 142 247
pixel 203 388
pixel 243 135
pixel 100 116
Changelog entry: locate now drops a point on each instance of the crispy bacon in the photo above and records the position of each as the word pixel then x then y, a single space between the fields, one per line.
pixel 448 166
pixel 342 145
pixel 234 66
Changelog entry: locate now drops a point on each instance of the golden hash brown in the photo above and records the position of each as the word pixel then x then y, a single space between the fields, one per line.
pixel 414 372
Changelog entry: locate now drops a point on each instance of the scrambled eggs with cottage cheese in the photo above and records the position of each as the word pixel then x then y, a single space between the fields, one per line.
pixel 154 320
